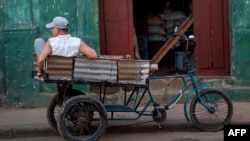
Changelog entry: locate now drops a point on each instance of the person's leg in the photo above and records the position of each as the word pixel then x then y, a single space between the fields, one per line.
pixel 38 45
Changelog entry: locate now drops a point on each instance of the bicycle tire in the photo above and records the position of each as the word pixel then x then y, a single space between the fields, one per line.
pixel 52 111
pixel 215 120
pixel 82 119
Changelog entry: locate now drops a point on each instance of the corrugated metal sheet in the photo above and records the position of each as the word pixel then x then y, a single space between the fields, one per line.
pixel 59 68
pixel 97 70
pixel 133 71
pixel 34 65
pixel 120 71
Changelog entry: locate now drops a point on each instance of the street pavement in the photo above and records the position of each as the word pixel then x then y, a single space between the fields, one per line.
pixel 32 122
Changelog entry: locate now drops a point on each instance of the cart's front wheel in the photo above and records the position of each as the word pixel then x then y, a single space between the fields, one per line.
pixel 212 111
pixel 82 119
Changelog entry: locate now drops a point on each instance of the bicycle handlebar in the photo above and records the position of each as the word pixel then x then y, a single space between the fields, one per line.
pixel 190 46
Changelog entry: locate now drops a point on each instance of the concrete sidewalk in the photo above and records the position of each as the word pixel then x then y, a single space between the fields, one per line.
pixel 15 123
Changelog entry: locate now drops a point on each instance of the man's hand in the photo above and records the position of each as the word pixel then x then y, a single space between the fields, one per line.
pixel 40 74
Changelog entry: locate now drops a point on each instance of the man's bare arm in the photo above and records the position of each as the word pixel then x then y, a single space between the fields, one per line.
pixel 41 58
pixel 87 51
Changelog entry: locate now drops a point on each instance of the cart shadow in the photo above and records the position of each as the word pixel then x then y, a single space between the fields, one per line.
pixel 127 127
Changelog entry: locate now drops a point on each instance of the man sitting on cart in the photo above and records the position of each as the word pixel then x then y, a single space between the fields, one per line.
pixel 62 44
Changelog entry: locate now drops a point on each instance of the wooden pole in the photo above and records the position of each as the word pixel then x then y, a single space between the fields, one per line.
pixel 172 40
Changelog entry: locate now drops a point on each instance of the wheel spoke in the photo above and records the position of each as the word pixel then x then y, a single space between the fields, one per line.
pixel 77 119
pixel 212 111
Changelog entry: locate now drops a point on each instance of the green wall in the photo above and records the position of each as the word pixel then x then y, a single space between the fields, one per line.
pixel 2 56
pixel 21 21
pixel 240 37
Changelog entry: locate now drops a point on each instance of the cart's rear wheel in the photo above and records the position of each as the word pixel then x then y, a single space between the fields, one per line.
pixel 82 119
pixel 54 109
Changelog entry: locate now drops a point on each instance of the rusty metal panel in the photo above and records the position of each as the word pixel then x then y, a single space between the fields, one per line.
pixel 98 70
pixel 133 71
pixel 115 71
pixel 59 68
pixel 34 65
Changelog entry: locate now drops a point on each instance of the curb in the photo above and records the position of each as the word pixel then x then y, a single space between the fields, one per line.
pixel 23 132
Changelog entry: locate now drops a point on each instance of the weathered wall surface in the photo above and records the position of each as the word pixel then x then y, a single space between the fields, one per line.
pixel 2 66
pixel 238 85
pixel 240 35
pixel 21 21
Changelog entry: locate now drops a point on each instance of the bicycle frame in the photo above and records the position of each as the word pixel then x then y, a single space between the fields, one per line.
pixel 189 79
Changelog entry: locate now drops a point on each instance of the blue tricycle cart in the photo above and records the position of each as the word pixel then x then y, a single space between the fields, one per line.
pixel 81 117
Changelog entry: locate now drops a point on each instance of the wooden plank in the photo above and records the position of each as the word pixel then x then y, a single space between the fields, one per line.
pixel 172 40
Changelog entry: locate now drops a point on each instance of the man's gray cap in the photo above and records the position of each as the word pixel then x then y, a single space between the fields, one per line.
pixel 58 22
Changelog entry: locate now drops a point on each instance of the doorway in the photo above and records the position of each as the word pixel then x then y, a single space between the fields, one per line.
pixel 154 21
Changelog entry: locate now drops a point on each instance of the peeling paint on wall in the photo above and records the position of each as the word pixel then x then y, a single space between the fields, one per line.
pixel 21 21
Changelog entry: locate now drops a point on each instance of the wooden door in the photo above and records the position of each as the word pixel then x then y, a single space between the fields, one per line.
pixel 116 24
pixel 211 27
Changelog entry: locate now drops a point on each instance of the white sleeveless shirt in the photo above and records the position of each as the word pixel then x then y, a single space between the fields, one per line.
pixel 65 45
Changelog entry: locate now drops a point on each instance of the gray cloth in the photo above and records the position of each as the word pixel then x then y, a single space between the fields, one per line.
pixel 38 45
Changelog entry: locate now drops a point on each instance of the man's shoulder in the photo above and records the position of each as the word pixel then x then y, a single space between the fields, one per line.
pixel 63 37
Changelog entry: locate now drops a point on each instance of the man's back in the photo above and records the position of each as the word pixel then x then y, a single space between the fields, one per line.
pixel 65 45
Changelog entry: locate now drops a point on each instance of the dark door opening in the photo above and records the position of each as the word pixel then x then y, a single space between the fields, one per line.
pixel 155 22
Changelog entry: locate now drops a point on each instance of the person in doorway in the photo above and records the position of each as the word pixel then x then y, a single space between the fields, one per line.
pixel 61 44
